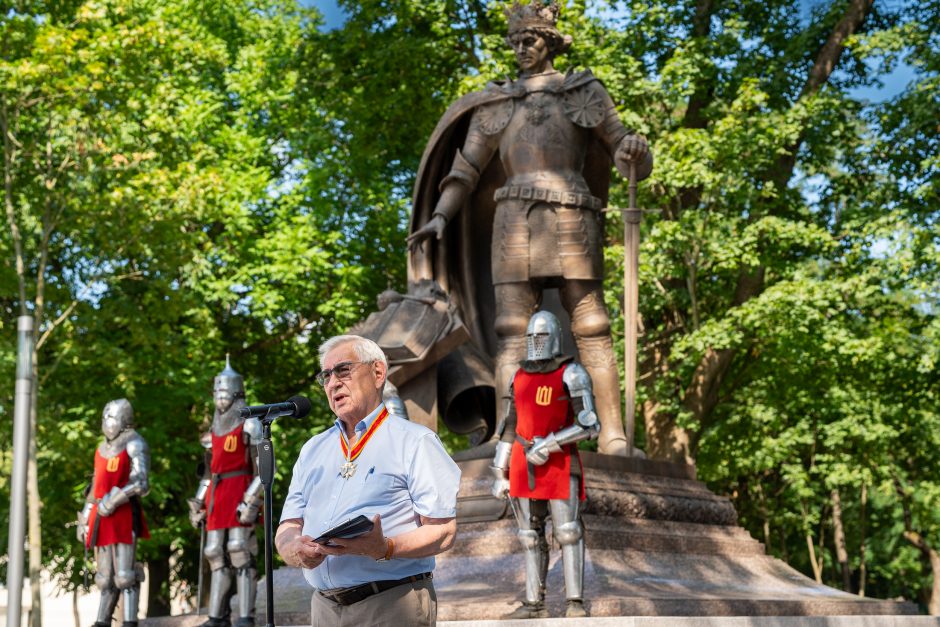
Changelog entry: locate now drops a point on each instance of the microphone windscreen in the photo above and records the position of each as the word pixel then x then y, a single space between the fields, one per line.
pixel 302 403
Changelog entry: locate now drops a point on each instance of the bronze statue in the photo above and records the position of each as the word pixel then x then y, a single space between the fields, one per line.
pixel 509 192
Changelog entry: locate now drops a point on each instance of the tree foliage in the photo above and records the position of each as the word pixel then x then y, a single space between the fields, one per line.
pixel 186 179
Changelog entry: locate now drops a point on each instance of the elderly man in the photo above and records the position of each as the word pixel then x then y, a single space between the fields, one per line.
pixel 376 464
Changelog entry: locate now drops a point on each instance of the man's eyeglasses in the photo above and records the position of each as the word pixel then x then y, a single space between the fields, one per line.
pixel 342 371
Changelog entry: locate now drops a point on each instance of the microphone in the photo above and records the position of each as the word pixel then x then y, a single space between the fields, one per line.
pixel 295 407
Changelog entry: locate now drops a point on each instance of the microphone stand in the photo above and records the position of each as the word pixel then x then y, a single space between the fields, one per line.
pixel 266 472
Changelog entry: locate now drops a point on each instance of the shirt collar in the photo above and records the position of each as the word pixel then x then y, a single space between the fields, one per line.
pixel 363 424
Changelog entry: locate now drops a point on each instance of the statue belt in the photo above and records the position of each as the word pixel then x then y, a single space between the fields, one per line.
pixel 528 192
pixel 217 478
pixel 529 466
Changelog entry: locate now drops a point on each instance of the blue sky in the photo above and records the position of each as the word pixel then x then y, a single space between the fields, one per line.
pixel 332 13
pixel 893 83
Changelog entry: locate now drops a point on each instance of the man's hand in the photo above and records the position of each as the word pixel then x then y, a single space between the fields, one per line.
pixel 296 549
pixel 541 449
pixel 372 544
pixel 435 226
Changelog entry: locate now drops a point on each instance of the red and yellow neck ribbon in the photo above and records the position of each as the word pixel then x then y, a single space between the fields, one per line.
pixel 361 444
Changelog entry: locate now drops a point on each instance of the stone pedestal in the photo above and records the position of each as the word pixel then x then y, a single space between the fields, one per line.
pixel 659 543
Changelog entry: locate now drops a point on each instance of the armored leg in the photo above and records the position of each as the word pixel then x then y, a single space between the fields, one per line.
pixel 534 546
pixel 242 548
pixel 220 588
pixel 127 579
pixel 515 304
pixel 104 579
pixel 570 536
pixel 590 326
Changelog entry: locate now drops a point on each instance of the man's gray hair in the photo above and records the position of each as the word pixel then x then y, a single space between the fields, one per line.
pixel 366 349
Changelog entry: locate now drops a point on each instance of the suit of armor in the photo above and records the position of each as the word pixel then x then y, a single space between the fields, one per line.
pixel 227 502
pixel 550 409
pixel 111 520
pixel 553 137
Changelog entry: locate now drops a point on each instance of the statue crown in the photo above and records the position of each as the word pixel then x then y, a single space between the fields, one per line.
pixel 531 16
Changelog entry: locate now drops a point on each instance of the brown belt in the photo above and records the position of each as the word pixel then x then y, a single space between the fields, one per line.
pixel 528 192
pixel 348 596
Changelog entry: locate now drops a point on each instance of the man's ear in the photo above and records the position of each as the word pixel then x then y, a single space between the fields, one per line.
pixel 381 370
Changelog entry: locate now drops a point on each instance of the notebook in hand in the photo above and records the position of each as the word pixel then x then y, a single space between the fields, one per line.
pixel 349 529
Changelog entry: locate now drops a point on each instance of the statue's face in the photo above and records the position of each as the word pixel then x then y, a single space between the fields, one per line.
pixel 531 50
pixel 115 418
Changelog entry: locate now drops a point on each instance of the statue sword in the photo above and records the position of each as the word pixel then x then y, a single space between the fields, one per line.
pixel 631 302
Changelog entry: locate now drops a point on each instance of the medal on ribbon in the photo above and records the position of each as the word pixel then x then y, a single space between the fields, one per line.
pixel 348 469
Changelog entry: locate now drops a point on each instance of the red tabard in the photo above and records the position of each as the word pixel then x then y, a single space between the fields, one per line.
pixel 118 528
pixel 229 455
pixel 542 407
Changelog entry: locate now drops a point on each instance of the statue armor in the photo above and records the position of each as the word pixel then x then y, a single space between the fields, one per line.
pixel 227 502
pixel 111 521
pixel 393 402
pixel 540 149
pixel 543 337
pixel 550 408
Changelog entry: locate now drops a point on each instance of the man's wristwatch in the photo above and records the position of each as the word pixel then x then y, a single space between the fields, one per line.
pixel 389 549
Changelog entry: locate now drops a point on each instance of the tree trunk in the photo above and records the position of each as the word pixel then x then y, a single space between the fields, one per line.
pixel 838 537
pixel 810 546
pixel 817 569
pixel 933 606
pixel 75 615
pixel 862 564
pixel 927 551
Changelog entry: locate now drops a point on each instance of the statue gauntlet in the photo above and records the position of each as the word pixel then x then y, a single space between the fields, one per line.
pixel 500 469
pixel 197 504
pixel 111 501
pixel 197 512
pixel 247 510
pixel 81 530
pixel 542 448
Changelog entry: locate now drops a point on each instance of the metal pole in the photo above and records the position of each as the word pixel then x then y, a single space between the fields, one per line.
pixel 631 306
pixel 15 551
pixel 266 472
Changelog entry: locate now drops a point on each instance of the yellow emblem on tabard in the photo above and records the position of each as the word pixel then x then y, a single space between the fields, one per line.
pixel 231 443
pixel 543 395
pixel 113 464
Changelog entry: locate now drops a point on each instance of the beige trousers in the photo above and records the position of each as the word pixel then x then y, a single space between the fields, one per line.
pixel 407 605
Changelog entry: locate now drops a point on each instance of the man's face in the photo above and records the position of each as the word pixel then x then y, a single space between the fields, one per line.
pixel 531 51
pixel 223 399
pixel 352 397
